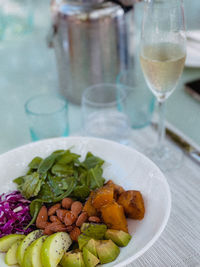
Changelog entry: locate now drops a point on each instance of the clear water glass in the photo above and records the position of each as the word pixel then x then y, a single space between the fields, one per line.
pixel 47 116
pixel 103 113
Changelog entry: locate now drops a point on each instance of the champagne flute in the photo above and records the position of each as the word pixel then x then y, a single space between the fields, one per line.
pixel 162 58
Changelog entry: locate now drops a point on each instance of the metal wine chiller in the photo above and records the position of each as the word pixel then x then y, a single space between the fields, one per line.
pixel 90 39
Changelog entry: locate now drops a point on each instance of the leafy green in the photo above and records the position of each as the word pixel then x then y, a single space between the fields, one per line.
pixel 35 207
pixel 62 170
pixel 68 157
pixel 19 180
pixel 95 177
pixel 31 185
pixel 34 164
pixel 47 163
pixel 81 192
pixel 59 175
pixel 91 161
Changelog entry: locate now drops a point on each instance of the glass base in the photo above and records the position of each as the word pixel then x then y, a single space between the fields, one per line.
pixel 167 158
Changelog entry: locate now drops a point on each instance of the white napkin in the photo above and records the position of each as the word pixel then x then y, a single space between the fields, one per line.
pixel 193 49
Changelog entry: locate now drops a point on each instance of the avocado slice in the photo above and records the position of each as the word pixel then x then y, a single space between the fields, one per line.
pixel 7 241
pixel 91 246
pixel 94 230
pixel 32 257
pixel 83 240
pixel 26 242
pixel 54 248
pixel 119 237
pixel 89 259
pixel 11 255
pixel 107 251
pixel 72 259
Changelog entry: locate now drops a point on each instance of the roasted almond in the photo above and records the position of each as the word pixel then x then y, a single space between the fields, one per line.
pixel 81 219
pixel 42 217
pixel 76 208
pixel 74 234
pixel 61 214
pixel 66 203
pixel 53 209
pixel 70 218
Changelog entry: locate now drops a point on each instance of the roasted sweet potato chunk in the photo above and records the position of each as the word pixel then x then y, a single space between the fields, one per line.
pixel 133 204
pixel 117 189
pixel 88 207
pixel 114 217
pixel 102 196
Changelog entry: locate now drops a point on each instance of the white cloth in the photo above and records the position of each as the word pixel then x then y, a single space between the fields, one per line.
pixel 179 244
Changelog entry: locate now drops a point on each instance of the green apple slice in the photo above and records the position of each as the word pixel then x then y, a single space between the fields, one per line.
pixel 7 241
pixel 32 256
pixel 26 242
pixel 54 248
pixel 11 255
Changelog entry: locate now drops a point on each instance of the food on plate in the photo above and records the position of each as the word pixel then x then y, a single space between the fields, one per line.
pixel 26 242
pixel 117 188
pixel 32 255
pixel 90 259
pixel 11 255
pixel 113 216
pixel 59 176
pixel 102 196
pixel 54 248
pixel 88 207
pixel 72 259
pixel 8 240
pixel 14 214
pixel 119 237
pixel 91 246
pixel 133 204
pixel 107 251
pixel 83 240
pixel 64 213
pixel 94 230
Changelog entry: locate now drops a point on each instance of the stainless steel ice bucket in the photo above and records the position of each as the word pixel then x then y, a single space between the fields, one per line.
pixel 90 42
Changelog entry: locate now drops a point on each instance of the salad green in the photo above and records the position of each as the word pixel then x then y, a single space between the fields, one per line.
pixel 57 176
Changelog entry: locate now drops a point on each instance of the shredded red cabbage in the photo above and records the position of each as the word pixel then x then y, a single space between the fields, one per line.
pixel 14 214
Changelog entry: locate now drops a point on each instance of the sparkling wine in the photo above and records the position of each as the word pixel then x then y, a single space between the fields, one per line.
pixel 162 66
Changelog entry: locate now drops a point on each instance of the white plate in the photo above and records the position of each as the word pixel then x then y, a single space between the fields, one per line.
pixel 124 165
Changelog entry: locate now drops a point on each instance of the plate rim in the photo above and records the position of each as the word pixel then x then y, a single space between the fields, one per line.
pixel 132 150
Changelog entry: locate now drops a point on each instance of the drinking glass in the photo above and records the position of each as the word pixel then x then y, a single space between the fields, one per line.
pixel 47 116
pixel 162 58
pixel 103 112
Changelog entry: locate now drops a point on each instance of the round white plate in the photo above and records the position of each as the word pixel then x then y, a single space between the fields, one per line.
pixel 124 166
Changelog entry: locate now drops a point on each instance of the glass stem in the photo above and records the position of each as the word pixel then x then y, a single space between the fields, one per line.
pixel 161 124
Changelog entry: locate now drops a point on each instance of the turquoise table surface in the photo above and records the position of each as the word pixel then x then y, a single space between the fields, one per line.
pixel 28 67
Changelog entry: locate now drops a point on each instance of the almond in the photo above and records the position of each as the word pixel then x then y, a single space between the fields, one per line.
pixel 66 203
pixel 74 234
pixel 42 217
pixel 76 208
pixel 53 209
pixel 81 219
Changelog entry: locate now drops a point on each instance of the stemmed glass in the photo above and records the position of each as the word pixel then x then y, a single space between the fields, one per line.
pixel 162 58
